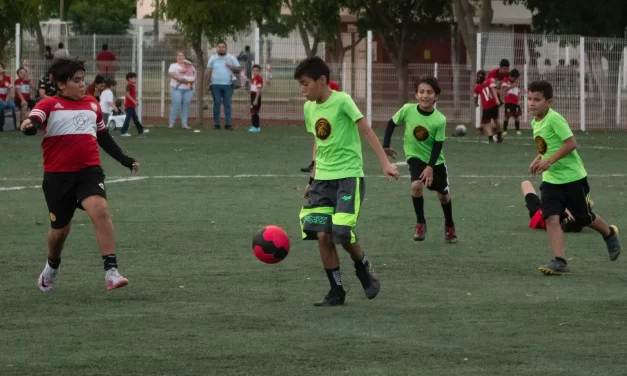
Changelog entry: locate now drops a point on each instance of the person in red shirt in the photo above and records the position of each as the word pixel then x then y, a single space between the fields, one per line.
pixel 489 106
pixel 106 61
pixel 23 100
pixel 497 76
pixel 73 130
pixel 536 219
pixel 511 94
pixel 256 84
pixel 5 95
pixel 96 87
pixel 130 103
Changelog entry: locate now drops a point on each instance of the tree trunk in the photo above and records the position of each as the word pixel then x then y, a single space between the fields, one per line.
pixel 156 16
pixel 401 75
pixel 200 80
pixel 464 15
pixel 485 21
pixel 304 36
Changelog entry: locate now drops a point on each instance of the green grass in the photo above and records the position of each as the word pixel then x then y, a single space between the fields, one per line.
pixel 199 303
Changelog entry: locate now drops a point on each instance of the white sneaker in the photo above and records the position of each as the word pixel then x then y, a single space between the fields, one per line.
pixel 114 280
pixel 186 127
pixel 46 278
pixel 146 131
pixel 171 126
pixel 125 135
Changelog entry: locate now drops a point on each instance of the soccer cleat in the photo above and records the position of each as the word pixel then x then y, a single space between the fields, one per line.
pixel 114 280
pixel 499 139
pixel 254 130
pixel 449 235
pixel 613 244
pixel 333 298
pixel 554 268
pixel 125 135
pixel 518 133
pixel 505 133
pixel 171 126
pixel 421 232
pixel 46 278
pixel 307 169
pixel 369 282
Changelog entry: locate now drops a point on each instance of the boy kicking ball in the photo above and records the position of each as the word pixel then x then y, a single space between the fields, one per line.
pixel 564 179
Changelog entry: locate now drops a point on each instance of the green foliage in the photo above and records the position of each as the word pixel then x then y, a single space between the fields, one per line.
pixel 110 17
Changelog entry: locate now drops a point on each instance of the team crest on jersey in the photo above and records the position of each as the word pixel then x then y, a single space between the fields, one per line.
pixel 94 107
pixel 323 129
pixel 81 120
pixel 421 133
pixel 541 145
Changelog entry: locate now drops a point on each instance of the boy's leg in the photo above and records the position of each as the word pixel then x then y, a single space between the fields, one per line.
pixel 440 185
pixel 416 166
pixel 127 121
pixel 138 124
pixel 91 194
pixel 349 196
pixel 553 205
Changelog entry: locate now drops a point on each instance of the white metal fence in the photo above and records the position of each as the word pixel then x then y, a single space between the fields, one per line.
pixel 592 95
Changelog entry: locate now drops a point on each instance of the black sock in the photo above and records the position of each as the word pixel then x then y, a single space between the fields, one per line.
pixel 505 124
pixel 517 124
pixel 334 279
pixel 110 261
pixel 54 264
pixel 498 134
pixel 448 213
pixel 361 264
pixel 559 259
pixel 255 120
pixel 419 208
pixel 490 139
pixel 610 235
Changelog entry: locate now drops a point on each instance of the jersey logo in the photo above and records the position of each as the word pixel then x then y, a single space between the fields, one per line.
pixel 421 133
pixel 52 217
pixel 94 107
pixel 323 129
pixel 346 198
pixel 80 120
pixel 101 185
pixel 58 105
pixel 540 144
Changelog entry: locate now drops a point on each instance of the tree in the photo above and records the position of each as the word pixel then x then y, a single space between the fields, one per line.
pixel 318 19
pixel 110 17
pixel 601 23
pixel 24 12
pixel 464 12
pixel 400 24
pixel 213 19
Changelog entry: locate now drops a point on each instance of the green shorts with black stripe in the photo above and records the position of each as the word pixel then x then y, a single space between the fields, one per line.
pixel 333 208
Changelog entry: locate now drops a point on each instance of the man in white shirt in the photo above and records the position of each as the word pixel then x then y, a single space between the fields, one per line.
pixel 221 68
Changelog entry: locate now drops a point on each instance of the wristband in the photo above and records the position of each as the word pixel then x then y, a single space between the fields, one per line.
pixel 311 179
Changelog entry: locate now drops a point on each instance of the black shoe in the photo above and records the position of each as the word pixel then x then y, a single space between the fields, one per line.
pixel 333 298
pixel 308 168
pixel 369 282
pixel 216 127
pixel 555 268
pixel 613 244
pixel 228 127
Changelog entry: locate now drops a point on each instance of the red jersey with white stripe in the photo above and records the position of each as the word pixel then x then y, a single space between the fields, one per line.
pixel 483 90
pixel 512 93
pixel 24 87
pixel 256 84
pixel 70 129
pixel 5 85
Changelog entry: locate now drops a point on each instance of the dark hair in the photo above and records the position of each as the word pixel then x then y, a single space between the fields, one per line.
pixel 222 42
pixel 543 87
pixel 105 47
pixel 99 80
pixel 256 66
pixel 247 48
pixel 63 69
pixel 48 48
pixel 504 63
pixel 130 75
pixel 429 80
pixel 514 73
pixel 18 70
pixel 313 67
pixel 60 45
pixel 110 82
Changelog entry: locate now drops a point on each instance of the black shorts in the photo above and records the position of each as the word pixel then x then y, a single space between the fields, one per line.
pixel 333 207
pixel 490 114
pixel 64 192
pixel 533 203
pixel 30 103
pixel 440 175
pixel 254 109
pixel 512 110
pixel 574 195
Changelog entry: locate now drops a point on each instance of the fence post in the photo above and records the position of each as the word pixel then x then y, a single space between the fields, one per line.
pixel 94 47
pixel 526 85
pixel 344 88
pixel 478 108
pixel 257 51
pixel 162 88
pixel 618 92
pixel 17 45
pixel 369 79
pixel 582 84
pixel 435 74
pixel 140 71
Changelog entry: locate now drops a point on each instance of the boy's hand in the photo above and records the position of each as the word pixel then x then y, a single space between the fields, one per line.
pixel 427 176
pixel 307 189
pixel 390 152
pixel 390 171
pixel 255 102
pixel 26 124
pixel 532 166
pixel 542 166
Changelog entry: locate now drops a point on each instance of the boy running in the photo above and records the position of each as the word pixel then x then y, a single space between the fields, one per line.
pixel 564 179
pixel 489 106
pixel 425 129
pixel 73 130
pixel 336 188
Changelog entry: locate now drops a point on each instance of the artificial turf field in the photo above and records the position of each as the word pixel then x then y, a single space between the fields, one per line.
pixel 200 303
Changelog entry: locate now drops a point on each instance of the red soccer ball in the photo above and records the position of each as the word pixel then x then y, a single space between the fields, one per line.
pixel 271 244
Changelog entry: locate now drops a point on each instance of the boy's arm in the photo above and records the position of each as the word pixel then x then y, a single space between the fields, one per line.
pixel 128 94
pixel 438 144
pixel 364 129
pixel 108 144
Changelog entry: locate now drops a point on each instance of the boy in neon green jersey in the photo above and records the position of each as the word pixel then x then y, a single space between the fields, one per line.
pixel 564 179
pixel 424 137
pixel 336 188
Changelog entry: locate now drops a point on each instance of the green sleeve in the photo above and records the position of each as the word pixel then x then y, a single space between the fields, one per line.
pixel 307 122
pixel 561 127
pixel 351 110
pixel 399 116
pixel 440 133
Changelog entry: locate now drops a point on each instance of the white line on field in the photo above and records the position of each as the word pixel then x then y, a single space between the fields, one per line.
pixel 117 180
pixel 457 139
